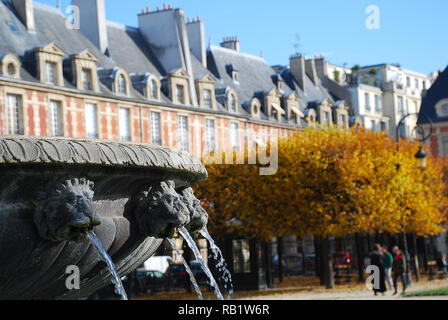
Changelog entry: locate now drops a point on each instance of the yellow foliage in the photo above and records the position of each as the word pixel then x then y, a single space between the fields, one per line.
pixel 329 181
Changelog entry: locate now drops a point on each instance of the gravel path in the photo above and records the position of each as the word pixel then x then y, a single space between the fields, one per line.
pixel 358 294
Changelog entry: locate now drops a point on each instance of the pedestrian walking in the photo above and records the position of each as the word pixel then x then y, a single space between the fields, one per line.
pixel 399 269
pixel 387 262
pixel 376 256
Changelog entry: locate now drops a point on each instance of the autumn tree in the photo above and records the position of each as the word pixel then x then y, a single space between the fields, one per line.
pixel 330 182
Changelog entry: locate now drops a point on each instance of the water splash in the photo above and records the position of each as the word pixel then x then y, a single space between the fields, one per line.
pixel 184 233
pixel 221 265
pixel 102 254
pixel 187 267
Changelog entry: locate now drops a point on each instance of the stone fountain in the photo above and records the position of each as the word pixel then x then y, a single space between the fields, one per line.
pixel 54 190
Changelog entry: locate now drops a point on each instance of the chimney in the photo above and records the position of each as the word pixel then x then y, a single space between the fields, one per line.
pixel 167 33
pixel 25 11
pixel 93 22
pixel 231 43
pixel 321 67
pixel 196 38
pixel 310 67
pixel 297 68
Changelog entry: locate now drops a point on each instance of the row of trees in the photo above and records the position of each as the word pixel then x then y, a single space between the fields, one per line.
pixel 330 182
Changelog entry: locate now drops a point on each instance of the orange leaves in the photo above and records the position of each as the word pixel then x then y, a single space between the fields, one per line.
pixel 329 181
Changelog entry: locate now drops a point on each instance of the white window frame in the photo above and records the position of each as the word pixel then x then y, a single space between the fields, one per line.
pixel 124 124
pixel 14 114
pixel 92 127
pixel 56 118
pixel 156 136
pixel 234 136
pixel 210 135
pixel 183 133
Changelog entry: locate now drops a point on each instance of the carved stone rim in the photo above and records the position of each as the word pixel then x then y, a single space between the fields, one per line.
pixel 46 150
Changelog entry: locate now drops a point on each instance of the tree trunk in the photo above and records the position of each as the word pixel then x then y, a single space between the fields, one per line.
pixel 280 258
pixel 360 256
pixel 327 264
pixel 317 267
pixel 425 254
pixel 417 271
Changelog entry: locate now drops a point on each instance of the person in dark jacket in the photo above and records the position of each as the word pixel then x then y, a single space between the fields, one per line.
pixel 399 269
pixel 376 257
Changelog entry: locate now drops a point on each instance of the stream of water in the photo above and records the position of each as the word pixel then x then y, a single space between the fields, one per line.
pixel 187 267
pixel 184 233
pixel 102 254
pixel 221 265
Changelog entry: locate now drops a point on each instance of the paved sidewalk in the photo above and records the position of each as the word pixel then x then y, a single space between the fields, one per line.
pixel 357 294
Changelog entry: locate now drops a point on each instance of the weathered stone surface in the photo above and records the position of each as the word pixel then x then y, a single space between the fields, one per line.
pixel 33 263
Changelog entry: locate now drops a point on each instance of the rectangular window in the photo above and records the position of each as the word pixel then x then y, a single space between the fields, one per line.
pixel 367 101
pixel 183 134
pixel 378 103
pixel 210 135
pixel 156 128
pixel 417 85
pixel 180 94
pixel 373 125
pixel 383 126
pixel 55 118
pixel 50 72
pixel 408 82
pixel 91 121
pixel 153 89
pixel 400 105
pixel 14 114
pixel 343 119
pixel 241 256
pixel 234 139
pixel 123 118
pixel 207 98
pixel 326 119
pixel 444 146
pixel 86 79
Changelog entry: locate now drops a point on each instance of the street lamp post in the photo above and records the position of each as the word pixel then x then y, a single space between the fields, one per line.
pixel 421 158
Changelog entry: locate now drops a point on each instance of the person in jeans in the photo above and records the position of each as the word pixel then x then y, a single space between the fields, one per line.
pixel 387 262
pixel 399 269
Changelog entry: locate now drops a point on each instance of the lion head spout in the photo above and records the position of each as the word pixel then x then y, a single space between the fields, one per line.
pixel 160 210
pixel 67 211
pixel 198 216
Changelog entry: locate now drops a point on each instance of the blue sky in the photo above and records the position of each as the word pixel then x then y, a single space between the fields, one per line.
pixel 413 33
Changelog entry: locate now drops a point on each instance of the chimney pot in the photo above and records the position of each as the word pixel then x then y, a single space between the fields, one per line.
pixel 148 10
pixel 199 18
pixel 158 8
pixel 189 20
pixel 164 6
pixel 170 7
pixel 143 11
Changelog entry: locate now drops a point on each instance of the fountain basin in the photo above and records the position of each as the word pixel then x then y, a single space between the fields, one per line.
pixel 47 188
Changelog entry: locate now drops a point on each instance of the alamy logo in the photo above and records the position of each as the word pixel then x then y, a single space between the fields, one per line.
pixel 373 20
pixel 72 22
pixel 73 280
pixel 373 280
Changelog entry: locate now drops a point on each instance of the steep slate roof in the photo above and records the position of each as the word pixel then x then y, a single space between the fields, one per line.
pixel 437 92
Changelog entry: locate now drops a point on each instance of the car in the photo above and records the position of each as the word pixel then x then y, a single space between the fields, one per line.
pixel 199 274
pixel 153 281
pixel 292 264
pixel 177 276
pixel 342 258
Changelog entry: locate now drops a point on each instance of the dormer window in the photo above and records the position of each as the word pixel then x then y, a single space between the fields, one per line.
pixel 274 113
pixel 153 88
pixel 11 70
pixel 180 93
pixel 49 64
pixel 122 84
pixel 50 75
pixel 235 76
pixel 232 102
pixel 208 98
pixel 10 66
pixel 85 74
pixel 86 79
